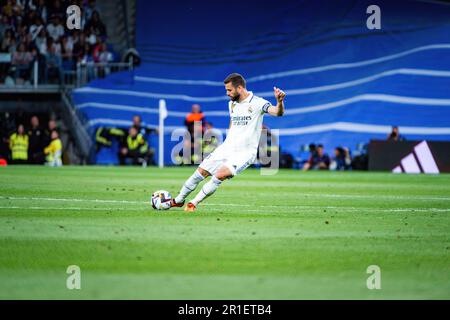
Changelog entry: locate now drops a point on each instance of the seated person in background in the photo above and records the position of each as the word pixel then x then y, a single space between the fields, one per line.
pixel 141 127
pixel 395 135
pixel 318 161
pixel 54 150
pixel 18 144
pixel 342 159
pixel 137 123
pixel 134 148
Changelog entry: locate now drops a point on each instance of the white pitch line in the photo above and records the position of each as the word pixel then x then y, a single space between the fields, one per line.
pixel 347 209
pixel 102 201
pixel 71 208
pixel 295 207
pixel 73 200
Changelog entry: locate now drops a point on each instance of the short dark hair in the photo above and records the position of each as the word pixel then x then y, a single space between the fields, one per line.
pixel 236 80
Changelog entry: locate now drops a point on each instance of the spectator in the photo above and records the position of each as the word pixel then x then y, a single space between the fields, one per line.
pixel 134 148
pixel 105 55
pixel 96 25
pixel 36 28
pixel 7 9
pixel 41 42
pixel 54 150
pixel 79 47
pixel 53 61
pixel 9 42
pixel 56 10
pixel 30 46
pixel 318 161
pixel 91 37
pixel 37 141
pixel 41 10
pixel 22 61
pixel 29 16
pixel 89 9
pixel 55 30
pixel 395 135
pixel 342 159
pixel 18 144
pixel 67 47
pixel 4 26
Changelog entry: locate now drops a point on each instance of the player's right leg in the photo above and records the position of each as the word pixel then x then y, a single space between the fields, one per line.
pixel 199 175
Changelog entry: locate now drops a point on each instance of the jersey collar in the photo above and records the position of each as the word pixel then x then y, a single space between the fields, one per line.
pixel 249 98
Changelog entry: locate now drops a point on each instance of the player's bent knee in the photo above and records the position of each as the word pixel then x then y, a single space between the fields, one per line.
pixel 224 173
pixel 223 177
pixel 203 172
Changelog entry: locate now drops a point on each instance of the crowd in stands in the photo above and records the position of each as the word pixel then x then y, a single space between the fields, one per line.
pixel 31 144
pixel 35 31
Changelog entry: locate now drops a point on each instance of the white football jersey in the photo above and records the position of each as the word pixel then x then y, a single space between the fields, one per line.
pixel 246 123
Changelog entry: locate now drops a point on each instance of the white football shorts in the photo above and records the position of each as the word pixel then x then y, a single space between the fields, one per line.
pixel 236 161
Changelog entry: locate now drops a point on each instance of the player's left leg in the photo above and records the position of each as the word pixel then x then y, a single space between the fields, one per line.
pixel 209 166
pixel 234 165
pixel 210 187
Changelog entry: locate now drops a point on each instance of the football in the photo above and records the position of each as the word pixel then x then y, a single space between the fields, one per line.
pixel 161 200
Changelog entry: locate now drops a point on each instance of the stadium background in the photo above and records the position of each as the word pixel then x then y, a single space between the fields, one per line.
pixel 346 84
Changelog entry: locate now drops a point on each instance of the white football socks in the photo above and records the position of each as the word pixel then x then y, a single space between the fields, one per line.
pixel 208 189
pixel 189 186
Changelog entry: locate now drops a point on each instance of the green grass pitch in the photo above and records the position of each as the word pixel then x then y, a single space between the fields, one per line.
pixel 292 235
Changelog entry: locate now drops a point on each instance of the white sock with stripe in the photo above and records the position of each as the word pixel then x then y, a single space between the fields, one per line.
pixel 189 186
pixel 208 189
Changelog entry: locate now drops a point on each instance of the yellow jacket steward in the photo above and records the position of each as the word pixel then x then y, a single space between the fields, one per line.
pixel 137 143
pixel 54 150
pixel 19 147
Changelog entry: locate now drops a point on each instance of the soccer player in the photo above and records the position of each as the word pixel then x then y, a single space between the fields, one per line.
pixel 239 148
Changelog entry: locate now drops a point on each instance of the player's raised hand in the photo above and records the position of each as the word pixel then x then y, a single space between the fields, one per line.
pixel 279 94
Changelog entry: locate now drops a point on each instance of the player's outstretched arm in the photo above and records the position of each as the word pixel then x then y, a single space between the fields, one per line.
pixel 277 110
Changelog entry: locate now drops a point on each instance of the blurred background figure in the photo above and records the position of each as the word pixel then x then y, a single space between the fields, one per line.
pixel 54 150
pixel 196 115
pixel 18 144
pixel 395 135
pixel 319 160
pixel 342 159
pixel 135 149
pixel 37 142
pixel 195 124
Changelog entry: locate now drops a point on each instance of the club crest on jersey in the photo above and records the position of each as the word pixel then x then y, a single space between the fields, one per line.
pixel 250 109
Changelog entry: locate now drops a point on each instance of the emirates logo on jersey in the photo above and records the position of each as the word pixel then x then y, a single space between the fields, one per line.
pixel 240 120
